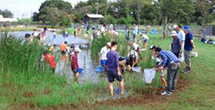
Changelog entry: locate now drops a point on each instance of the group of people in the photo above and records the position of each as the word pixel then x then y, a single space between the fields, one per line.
pixel 181 48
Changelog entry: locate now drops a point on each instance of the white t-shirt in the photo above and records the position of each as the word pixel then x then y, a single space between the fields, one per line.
pixel 145 37
pixel 132 52
pixel 103 53
pixel 135 46
pixel 102 29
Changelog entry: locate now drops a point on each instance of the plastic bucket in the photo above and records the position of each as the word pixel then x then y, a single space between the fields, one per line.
pixel 80 70
pixel 100 69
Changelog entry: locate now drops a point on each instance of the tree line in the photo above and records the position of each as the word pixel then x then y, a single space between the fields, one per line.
pixel 149 12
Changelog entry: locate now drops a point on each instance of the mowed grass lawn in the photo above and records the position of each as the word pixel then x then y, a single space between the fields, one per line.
pixel 198 94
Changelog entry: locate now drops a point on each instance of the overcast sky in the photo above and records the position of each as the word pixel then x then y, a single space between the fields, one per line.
pixel 24 8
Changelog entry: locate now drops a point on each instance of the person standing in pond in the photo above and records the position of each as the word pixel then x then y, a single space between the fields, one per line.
pixel 63 48
pixel 188 47
pixel 135 32
pixel 49 58
pixel 43 35
pixel 103 54
pixel 113 69
pixel 170 61
pixel 74 65
pixel 176 44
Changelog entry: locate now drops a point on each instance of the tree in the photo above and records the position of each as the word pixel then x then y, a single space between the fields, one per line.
pixel 205 9
pixel 174 10
pixel 35 16
pixel 6 13
pixel 52 16
pixel 55 6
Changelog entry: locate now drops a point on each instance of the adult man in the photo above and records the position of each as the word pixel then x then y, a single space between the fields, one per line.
pixel 135 32
pixel 113 68
pixel 181 36
pixel 188 47
pixel 170 61
pixel 103 54
pixel 176 44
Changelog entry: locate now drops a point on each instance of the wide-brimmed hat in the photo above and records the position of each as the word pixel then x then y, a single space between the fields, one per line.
pixel 174 33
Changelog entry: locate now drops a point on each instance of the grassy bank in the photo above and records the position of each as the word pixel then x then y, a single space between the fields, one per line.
pixel 23 85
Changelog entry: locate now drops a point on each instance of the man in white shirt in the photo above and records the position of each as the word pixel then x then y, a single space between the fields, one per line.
pixel 103 54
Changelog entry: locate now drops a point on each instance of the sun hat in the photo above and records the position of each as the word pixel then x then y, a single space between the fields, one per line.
pixel 186 27
pixel 77 50
pixel 152 47
pixel 174 33
pixel 109 44
pixel 175 26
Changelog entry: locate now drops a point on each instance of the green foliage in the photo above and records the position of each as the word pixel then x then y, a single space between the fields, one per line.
pixel 26 20
pixel 97 44
pixel 6 13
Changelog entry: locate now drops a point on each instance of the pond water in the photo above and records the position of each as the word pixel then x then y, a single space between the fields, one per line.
pixel 64 68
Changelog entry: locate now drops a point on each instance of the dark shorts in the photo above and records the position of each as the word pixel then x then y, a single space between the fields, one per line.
pixel 63 52
pixel 112 75
pixel 74 70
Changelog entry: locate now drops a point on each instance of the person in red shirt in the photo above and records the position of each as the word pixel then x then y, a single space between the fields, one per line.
pixel 49 58
pixel 75 65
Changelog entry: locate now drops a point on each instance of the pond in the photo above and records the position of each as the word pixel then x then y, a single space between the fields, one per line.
pixel 63 68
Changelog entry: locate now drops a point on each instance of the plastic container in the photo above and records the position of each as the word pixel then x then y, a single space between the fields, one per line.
pixel 100 69
pixel 80 70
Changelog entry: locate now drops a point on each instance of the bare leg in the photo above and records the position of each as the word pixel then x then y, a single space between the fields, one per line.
pixel 121 87
pixel 164 81
pixel 111 88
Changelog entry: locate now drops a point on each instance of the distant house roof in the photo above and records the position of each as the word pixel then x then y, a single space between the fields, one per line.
pixel 2 19
pixel 95 16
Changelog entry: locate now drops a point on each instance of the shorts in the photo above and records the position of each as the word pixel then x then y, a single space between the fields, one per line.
pixel 63 52
pixel 103 63
pixel 163 73
pixel 74 70
pixel 145 40
pixel 112 75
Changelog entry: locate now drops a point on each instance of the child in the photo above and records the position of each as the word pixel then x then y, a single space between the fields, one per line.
pixel 71 52
pixel 63 48
pixel 49 58
pixel 133 60
pixel 75 65
pixel 145 40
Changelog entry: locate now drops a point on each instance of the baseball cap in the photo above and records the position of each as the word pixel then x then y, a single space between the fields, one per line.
pixel 152 47
pixel 174 33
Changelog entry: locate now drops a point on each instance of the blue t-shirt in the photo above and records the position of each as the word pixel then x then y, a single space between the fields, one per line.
pixel 188 46
pixel 112 61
